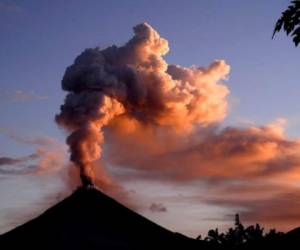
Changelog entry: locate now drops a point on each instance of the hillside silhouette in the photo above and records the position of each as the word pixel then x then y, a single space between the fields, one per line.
pixel 89 219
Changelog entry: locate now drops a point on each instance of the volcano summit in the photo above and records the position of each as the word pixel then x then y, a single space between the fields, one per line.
pixel 88 219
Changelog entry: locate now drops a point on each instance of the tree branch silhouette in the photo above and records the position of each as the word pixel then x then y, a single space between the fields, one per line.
pixel 290 22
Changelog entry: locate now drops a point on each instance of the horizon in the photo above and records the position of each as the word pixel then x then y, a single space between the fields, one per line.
pixel 241 155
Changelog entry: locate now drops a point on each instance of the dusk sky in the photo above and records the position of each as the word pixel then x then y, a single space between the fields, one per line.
pixel 256 142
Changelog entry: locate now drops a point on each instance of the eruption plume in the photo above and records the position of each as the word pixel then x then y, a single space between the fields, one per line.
pixel 133 84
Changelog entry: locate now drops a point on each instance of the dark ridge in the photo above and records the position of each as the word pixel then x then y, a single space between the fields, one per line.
pixel 88 219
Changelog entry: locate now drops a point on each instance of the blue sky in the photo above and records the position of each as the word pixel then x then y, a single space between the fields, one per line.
pixel 39 39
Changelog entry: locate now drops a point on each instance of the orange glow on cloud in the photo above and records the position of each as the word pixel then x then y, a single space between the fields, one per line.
pixel 165 122
pixel 134 81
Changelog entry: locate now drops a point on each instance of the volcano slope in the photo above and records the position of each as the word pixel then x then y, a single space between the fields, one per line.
pixel 89 219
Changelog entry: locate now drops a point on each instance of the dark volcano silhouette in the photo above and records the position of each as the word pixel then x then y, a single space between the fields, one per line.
pixel 88 219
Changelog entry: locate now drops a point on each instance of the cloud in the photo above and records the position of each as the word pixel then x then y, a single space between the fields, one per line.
pixel 4 160
pixel 36 140
pixel 231 152
pixel 49 155
pixel 24 96
pixel 17 165
pixel 157 207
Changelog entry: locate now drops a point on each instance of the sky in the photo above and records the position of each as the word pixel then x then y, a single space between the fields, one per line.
pixel 39 39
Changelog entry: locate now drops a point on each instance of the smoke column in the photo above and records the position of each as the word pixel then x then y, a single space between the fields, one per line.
pixel 134 82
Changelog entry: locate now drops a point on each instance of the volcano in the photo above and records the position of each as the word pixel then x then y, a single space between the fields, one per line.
pixel 89 219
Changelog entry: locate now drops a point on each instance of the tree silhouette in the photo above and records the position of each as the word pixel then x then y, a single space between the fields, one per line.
pixel 290 22
pixel 239 235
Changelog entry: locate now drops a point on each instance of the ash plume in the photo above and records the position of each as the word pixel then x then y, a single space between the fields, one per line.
pixel 133 86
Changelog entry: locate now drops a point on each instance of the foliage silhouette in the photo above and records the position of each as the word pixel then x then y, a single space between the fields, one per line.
pixel 240 235
pixel 290 22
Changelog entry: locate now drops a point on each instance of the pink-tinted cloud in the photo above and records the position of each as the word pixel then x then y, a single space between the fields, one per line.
pixel 49 155
pixel 251 152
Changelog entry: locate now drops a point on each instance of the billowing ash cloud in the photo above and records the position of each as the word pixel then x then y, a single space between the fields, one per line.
pixel 132 87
